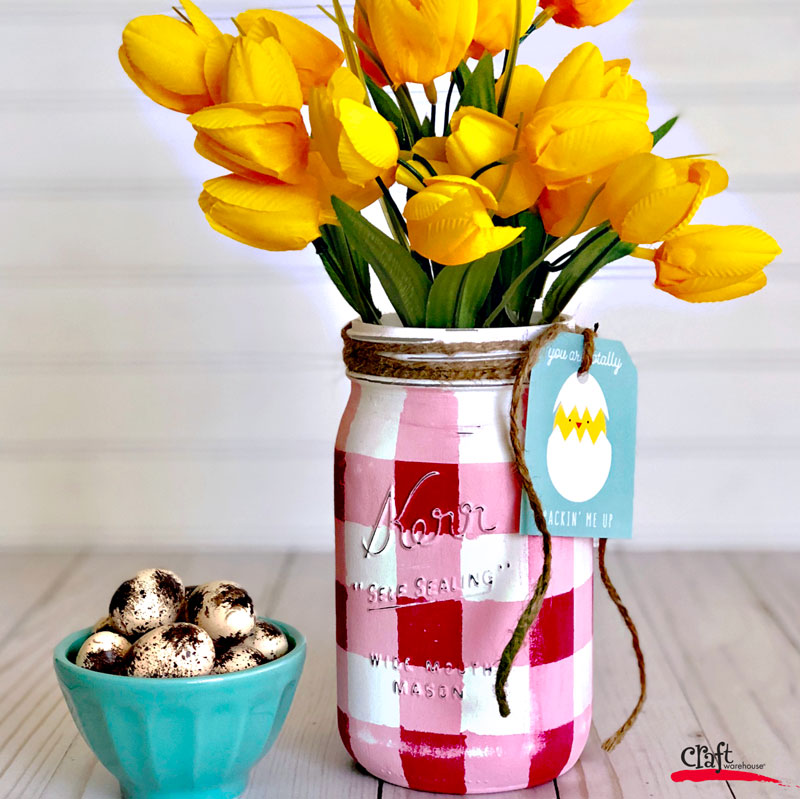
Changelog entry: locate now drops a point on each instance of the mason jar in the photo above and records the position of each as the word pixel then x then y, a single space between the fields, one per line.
pixel 432 575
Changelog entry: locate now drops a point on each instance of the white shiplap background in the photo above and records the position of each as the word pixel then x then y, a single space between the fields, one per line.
pixel 161 385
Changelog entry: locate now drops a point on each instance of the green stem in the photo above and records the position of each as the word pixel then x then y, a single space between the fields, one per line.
pixel 598 231
pixel 387 196
pixel 447 102
pixel 479 172
pixel 537 23
pixel 511 61
pixel 409 111
pixel 425 162
pixel 414 172
pixel 557 242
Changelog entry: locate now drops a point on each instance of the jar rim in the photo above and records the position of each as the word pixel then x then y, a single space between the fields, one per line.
pixel 395 331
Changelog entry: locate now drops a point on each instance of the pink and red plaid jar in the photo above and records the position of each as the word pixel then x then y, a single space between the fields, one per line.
pixel 431 577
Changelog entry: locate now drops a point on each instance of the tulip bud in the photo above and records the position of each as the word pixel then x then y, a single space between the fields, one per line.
pixel 313 54
pixel 480 138
pixel 247 138
pixel 494 30
pixel 268 214
pixel 420 41
pixel 449 223
pixel 356 142
pixel 579 13
pixel 649 199
pixel 167 58
pixel 711 263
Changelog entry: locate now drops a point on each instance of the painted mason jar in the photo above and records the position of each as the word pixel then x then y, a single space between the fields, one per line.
pixel 431 577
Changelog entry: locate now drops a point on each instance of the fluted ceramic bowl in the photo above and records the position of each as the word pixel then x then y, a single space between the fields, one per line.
pixel 188 738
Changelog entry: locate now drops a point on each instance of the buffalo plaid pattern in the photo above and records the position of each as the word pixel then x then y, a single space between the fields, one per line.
pixel 431 577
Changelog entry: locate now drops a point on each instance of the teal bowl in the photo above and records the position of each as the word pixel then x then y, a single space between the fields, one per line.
pixel 189 738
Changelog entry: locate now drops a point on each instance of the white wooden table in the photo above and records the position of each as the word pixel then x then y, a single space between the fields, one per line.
pixel 721 633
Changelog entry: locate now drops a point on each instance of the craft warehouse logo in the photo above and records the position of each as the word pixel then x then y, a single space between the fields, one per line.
pixel 704 764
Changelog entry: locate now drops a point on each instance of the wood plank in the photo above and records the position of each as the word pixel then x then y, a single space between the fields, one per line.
pixel 546 791
pixel 641 764
pixel 26 580
pixel 308 758
pixel 735 665
pixel 774 580
pixel 40 753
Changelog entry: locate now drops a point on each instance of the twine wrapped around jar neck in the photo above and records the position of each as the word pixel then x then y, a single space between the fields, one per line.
pixel 505 361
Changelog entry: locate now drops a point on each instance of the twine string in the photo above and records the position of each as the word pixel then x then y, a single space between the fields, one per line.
pixel 499 360
pixel 614 739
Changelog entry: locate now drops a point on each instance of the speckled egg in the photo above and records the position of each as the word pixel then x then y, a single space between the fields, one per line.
pixel 174 650
pixel 104 651
pixel 238 658
pixel 267 639
pixel 151 599
pixel 106 624
pixel 223 609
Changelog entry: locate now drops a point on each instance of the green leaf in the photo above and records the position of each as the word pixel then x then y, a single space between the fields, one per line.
pixel 348 271
pixel 475 289
pixel 479 87
pixel 402 278
pixel 516 259
pixel 443 297
pixel 461 75
pixel 388 109
pixel 332 268
pixel 663 130
pixel 584 265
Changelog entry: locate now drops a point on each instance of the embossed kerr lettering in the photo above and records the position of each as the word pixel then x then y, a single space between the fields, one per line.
pixel 418 533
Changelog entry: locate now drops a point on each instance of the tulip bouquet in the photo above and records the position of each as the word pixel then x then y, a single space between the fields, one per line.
pixel 482 193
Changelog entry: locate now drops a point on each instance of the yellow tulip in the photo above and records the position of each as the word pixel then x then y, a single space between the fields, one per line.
pixel 262 72
pixel 711 263
pixel 356 142
pixel 314 55
pixel 175 64
pixel 494 30
pixel 329 185
pixel 583 75
pixel 523 96
pixel 269 215
pixel 362 31
pixel 247 138
pixel 618 84
pixel 480 138
pixel 449 223
pixel 580 13
pixel 570 140
pixel 649 199
pixel 421 40
pixel 561 209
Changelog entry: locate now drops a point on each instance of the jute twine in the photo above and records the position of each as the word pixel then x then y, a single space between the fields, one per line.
pixel 498 360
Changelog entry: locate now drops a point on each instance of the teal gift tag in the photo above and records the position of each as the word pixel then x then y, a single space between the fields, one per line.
pixel 580 440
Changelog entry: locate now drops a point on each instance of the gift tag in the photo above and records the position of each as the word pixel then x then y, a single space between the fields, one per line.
pixel 580 442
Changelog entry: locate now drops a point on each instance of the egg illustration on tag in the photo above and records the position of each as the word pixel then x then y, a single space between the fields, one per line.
pixel 578 450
